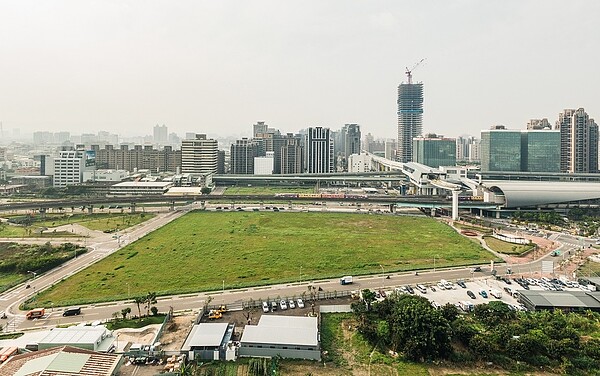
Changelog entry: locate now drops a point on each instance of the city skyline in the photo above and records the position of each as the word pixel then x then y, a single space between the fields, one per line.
pixel 217 68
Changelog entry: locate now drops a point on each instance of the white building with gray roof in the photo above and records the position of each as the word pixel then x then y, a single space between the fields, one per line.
pixel 287 336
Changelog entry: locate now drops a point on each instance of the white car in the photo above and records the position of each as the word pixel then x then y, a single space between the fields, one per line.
pixel 300 303
pixel 265 307
pixel 283 305
pixel 291 304
pixel 441 286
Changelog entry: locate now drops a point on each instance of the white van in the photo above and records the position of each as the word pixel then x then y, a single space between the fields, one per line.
pixel 496 293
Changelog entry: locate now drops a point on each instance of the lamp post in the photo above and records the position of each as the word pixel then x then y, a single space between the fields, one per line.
pixel 434 263
pixel 382 276
pixel 300 274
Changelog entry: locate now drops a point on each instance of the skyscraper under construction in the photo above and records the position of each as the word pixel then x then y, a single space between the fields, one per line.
pixel 410 117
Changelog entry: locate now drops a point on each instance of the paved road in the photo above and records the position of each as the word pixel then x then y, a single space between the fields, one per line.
pixel 10 300
pixel 99 248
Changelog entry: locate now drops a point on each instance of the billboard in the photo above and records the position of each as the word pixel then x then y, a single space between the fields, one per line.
pixel 90 158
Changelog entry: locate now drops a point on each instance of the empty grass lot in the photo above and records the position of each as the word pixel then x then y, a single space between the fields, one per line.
pixel 202 249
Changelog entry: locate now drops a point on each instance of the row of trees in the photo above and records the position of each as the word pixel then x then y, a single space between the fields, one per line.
pixel 519 341
pixel 148 301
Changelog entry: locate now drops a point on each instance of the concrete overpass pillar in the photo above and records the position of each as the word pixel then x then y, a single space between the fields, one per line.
pixel 433 212
pixel 132 208
pixel 172 206
pixel 42 212
pixel 90 209
pixel 454 205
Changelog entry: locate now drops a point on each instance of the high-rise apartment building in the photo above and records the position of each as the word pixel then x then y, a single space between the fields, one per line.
pixel 537 124
pixel 351 139
pixel 434 151
pixel 410 118
pixel 199 155
pixel 138 158
pixel 291 156
pixel 319 151
pixel 578 141
pixel 243 153
pixel 161 134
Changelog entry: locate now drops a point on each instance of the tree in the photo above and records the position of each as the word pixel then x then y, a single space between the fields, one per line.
pixel 154 310
pixel 139 300
pixel 150 300
pixel 125 312
pixel 368 297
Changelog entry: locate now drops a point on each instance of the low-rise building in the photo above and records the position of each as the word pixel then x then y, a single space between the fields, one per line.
pixel 137 188
pixel 95 338
pixel 291 337
pixel 210 341
pixel 65 360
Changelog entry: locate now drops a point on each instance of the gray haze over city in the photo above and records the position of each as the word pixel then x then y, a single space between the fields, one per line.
pixel 218 67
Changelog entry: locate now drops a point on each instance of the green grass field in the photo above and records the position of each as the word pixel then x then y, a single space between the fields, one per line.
pixel 506 247
pixel 96 221
pixel 202 249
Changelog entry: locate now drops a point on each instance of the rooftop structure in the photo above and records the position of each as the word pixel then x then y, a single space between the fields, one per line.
pixel 59 361
pixel 96 338
pixel 208 341
pixel 287 336
pixel 564 300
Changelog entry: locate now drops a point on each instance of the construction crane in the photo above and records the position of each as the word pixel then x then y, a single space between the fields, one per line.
pixel 409 71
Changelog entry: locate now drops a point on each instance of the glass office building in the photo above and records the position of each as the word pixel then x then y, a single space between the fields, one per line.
pixel 541 151
pixel 434 152
pixel 500 150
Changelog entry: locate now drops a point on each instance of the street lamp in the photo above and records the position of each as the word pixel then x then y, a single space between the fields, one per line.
pixel 434 263
pixel 382 276
pixel 300 274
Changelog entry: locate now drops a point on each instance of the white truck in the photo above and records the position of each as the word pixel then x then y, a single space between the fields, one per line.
pixel 496 293
pixel 346 280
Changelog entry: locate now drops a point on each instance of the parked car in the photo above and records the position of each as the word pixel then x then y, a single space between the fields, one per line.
pixel 265 307
pixel 432 288
pixel 410 289
pixel 422 289
pixel 273 306
pixel 300 303
pixel 441 286
pixel 283 305
pixel 483 294
pixel 461 284
pixel 471 294
pixel 291 304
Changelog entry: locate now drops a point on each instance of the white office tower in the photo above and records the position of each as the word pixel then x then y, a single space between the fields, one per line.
pixel 359 163
pixel 264 165
pixel 69 166
pixel 199 155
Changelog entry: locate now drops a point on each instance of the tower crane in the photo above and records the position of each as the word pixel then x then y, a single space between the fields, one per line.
pixel 409 71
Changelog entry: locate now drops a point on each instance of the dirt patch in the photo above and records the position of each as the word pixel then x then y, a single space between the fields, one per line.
pixel 176 331
pixel 128 336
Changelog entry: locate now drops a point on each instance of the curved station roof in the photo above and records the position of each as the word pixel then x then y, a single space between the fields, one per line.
pixel 534 193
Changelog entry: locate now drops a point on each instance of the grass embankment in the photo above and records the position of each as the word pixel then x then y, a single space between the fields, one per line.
pixel 506 247
pixel 199 251
pixel 135 323
pixel 18 261
pixel 96 221
pixel 589 269
pixel 267 191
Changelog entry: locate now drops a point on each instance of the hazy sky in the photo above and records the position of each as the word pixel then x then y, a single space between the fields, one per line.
pixel 219 66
